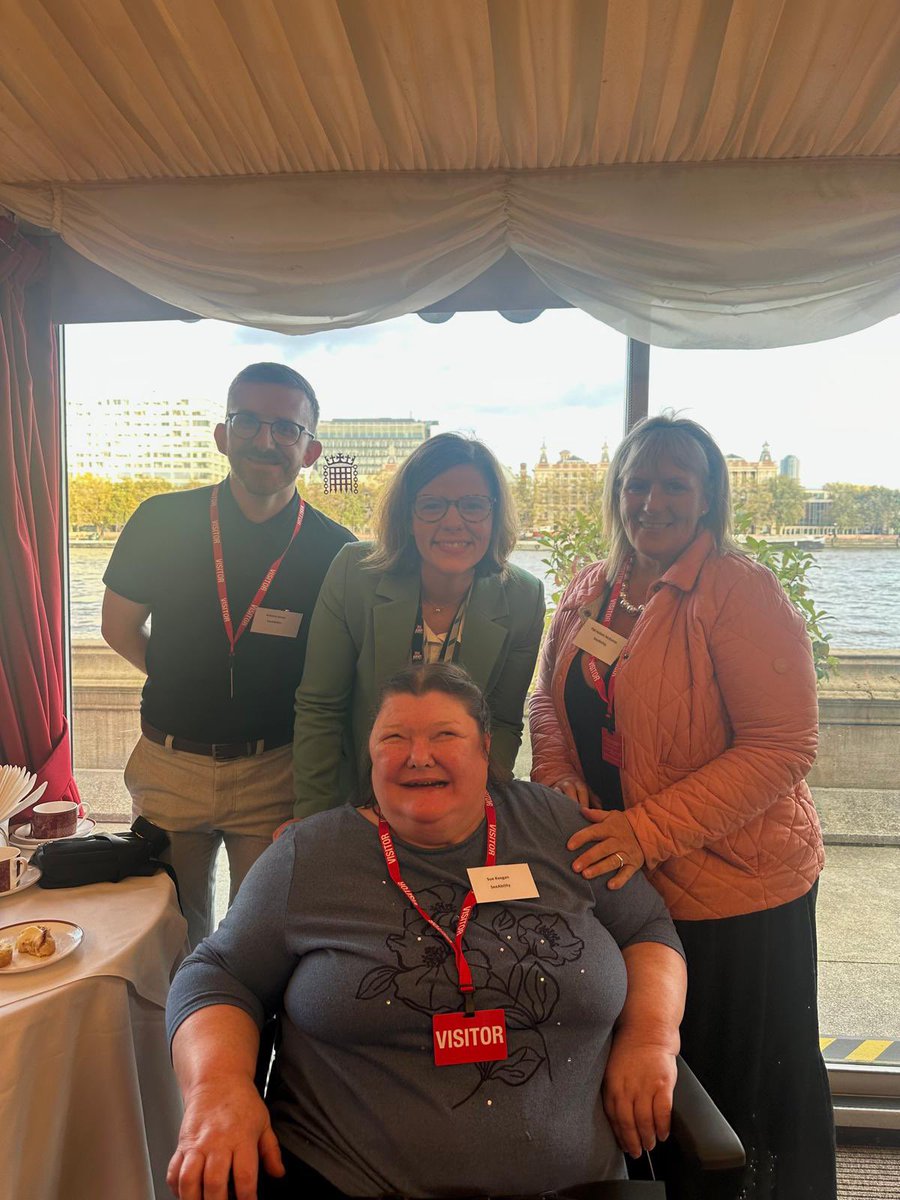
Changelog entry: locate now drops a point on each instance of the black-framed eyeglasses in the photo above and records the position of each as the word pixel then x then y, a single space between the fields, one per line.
pixel 470 508
pixel 246 425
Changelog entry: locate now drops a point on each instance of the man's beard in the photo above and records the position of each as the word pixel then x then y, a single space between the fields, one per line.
pixel 256 479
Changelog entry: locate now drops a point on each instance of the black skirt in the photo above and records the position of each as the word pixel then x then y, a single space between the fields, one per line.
pixel 751 1035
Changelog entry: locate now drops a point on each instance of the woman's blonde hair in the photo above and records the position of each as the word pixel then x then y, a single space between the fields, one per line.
pixel 395 548
pixel 693 449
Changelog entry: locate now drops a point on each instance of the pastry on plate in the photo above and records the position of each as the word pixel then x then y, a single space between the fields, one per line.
pixel 36 940
pixel 6 953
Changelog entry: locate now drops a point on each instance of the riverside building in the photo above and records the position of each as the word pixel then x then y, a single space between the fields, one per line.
pixel 157 438
pixel 746 476
pixel 565 487
pixel 377 443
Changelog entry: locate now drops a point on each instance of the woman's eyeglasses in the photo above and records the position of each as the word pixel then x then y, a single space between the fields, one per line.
pixel 247 425
pixel 471 508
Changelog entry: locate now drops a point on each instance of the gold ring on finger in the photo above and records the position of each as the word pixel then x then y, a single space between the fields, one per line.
pixel 621 859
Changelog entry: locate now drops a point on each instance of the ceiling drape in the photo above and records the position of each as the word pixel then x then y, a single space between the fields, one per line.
pixel 692 172
pixel 722 255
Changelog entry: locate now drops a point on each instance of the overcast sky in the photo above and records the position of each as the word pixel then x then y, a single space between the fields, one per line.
pixel 559 380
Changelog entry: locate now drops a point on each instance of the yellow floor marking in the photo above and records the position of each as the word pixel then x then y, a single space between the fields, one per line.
pixel 824 1043
pixel 867 1051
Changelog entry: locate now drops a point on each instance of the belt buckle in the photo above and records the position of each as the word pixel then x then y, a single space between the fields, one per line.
pixel 222 751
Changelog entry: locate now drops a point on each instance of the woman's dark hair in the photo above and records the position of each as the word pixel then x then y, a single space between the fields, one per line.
pixel 450 681
pixel 395 548
pixel 438 677
pixel 693 449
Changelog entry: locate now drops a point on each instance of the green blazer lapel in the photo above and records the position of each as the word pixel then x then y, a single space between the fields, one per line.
pixel 393 618
pixel 484 632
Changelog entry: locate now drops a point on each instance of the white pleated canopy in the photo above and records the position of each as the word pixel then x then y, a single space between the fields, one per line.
pixel 719 173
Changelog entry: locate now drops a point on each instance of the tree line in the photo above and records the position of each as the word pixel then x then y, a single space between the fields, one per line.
pixel 99 506
pixel 876 509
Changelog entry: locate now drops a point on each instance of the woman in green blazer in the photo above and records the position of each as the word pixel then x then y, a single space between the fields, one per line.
pixel 436 585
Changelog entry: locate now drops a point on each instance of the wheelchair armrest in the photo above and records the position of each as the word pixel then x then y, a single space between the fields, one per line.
pixel 700 1129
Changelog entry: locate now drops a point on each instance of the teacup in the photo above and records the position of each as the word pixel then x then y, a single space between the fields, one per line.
pixel 12 868
pixel 56 819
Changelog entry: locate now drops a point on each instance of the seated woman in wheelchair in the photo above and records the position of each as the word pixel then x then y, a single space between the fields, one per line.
pixel 461 1012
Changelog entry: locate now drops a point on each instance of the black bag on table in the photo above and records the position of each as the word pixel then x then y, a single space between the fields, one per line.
pixel 102 857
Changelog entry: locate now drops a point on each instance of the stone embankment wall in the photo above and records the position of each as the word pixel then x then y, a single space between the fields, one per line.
pixel 859 723
pixel 859 712
pixel 106 697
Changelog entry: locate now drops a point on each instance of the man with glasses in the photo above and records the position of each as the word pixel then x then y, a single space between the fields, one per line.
pixel 228 577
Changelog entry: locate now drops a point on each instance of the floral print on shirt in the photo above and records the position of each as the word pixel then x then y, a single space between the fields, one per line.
pixel 523 986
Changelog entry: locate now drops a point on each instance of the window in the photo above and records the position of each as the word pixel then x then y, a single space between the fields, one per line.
pixel 548 398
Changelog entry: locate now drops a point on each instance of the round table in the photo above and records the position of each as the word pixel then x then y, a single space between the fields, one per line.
pixel 90 1108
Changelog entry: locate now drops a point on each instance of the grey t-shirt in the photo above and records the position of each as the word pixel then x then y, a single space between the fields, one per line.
pixel 320 933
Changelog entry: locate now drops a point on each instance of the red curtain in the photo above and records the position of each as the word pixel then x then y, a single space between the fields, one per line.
pixel 33 729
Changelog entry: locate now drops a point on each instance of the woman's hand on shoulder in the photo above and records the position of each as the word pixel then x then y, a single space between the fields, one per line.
pixel 226 1133
pixel 637 1093
pixel 615 847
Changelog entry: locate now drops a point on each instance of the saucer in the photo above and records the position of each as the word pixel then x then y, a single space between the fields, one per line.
pixel 23 839
pixel 29 876
pixel 68 937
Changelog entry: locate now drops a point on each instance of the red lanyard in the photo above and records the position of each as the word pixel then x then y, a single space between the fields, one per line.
pixel 219 561
pixel 607 695
pixel 466 987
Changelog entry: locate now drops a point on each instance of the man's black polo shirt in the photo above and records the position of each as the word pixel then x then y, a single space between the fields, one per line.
pixel 164 559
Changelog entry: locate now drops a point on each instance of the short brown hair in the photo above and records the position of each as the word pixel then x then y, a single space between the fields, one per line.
pixel 693 449
pixel 269 372
pixel 395 548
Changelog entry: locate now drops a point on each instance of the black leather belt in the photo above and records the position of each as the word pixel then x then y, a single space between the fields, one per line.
pixel 220 751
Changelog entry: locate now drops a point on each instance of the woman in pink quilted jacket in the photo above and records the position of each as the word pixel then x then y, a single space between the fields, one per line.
pixel 676 703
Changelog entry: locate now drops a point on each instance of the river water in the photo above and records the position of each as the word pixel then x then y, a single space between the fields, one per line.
pixel 858 589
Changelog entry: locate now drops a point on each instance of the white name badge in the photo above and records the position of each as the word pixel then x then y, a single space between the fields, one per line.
pixel 599 641
pixel 278 622
pixel 511 881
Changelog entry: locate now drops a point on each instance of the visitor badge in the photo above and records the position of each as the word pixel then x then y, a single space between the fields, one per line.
pixel 461 1039
pixel 276 621
pixel 511 881
pixel 611 748
pixel 599 641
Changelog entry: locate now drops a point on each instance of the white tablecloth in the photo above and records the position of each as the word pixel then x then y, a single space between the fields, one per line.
pixel 89 1107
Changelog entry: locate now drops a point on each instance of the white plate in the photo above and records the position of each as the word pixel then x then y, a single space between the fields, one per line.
pixel 68 937
pixel 26 842
pixel 29 876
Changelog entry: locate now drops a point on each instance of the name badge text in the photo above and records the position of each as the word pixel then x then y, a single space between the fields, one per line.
pixel 507 881
pixel 278 622
pixel 599 641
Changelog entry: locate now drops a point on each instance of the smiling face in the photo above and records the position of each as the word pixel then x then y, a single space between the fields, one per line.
pixel 429 768
pixel 452 546
pixel 661 504
pixel 259 464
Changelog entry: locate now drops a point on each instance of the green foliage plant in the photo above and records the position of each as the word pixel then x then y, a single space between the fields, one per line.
pixel 791 567
pixel 576 543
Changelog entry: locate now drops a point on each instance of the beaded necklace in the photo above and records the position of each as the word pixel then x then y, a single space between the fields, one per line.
pixel 633 610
